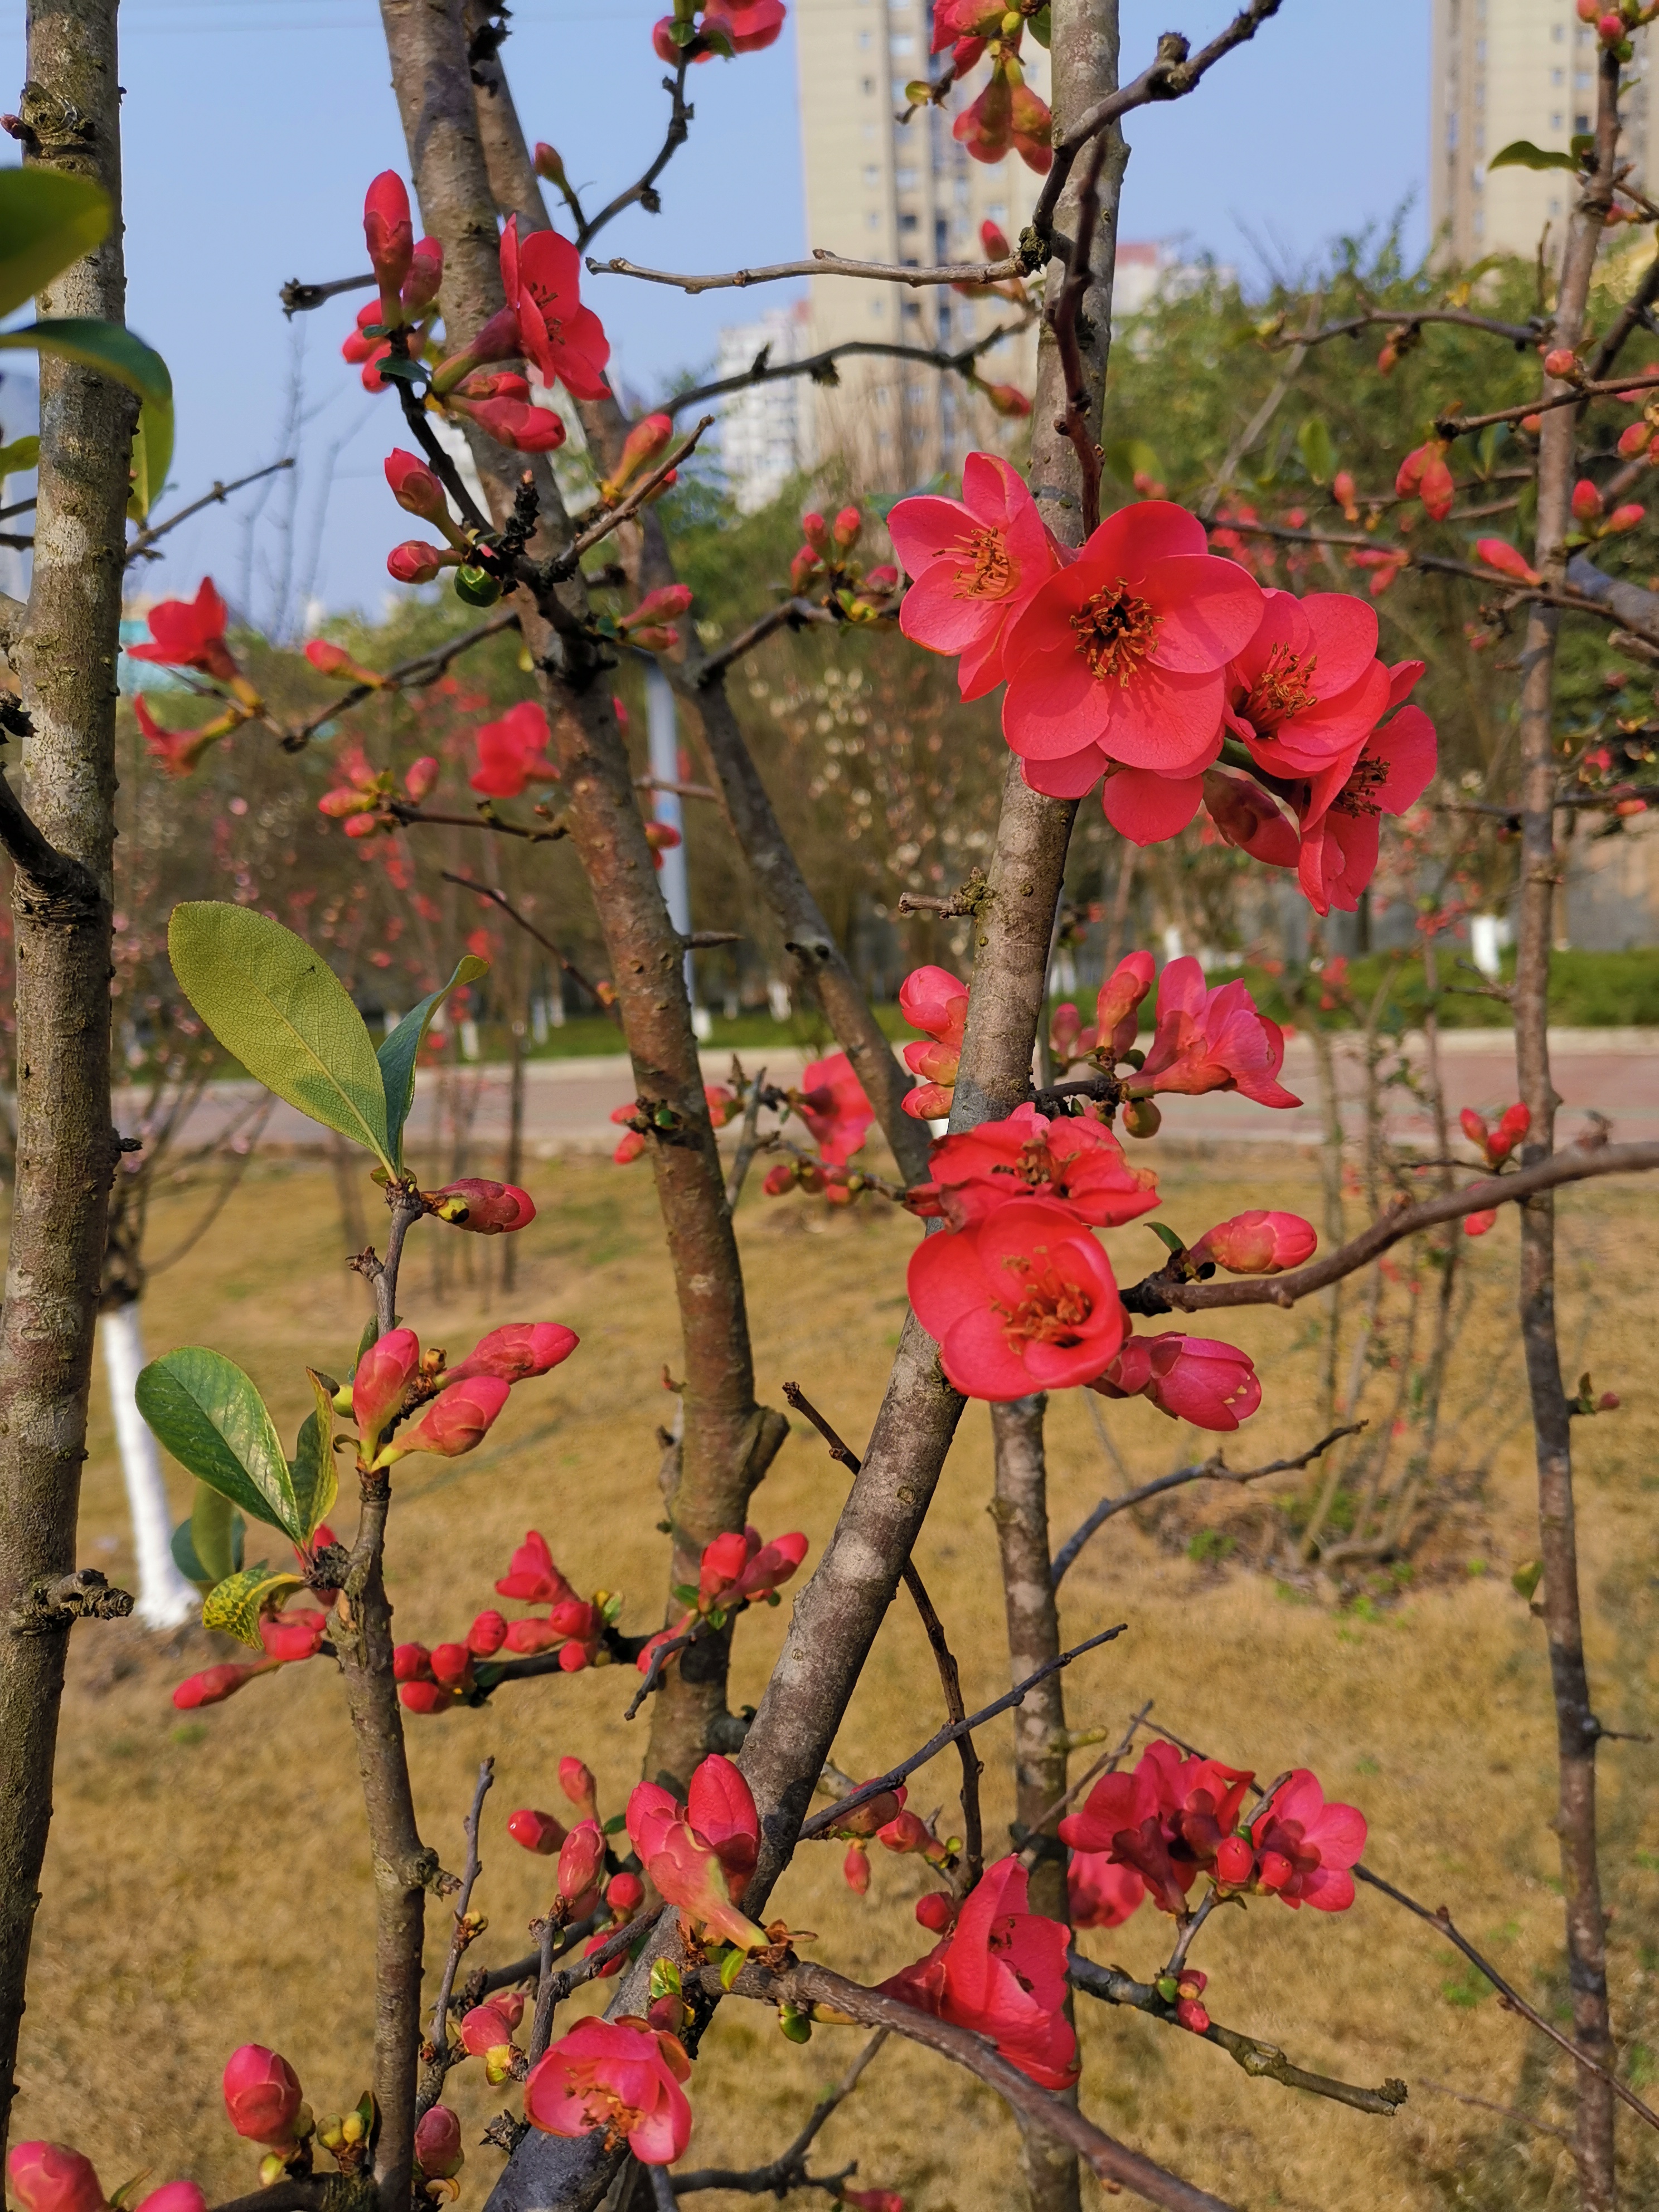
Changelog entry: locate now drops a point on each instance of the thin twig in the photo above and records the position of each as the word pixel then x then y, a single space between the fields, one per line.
pixel 1213 1469
pixel 566 564
pixel 822 263
pixel 788 2169
pixel 746 1139
pixel 437 2054
pixel 644 190
pixel 820 366
pixel 500 899
pixel 220 493
pixel 1506 2112
pixel 417 816
pixel 1063 318
pixel 1107 1762
pixel 1409 319
pixel 409 676
pixel 1460 426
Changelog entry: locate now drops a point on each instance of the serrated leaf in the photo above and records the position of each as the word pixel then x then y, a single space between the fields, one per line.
pixel 47 220
pixel 284 1012
pixel 210 1416
pixel 311 1469
pixel 1318 454
pixel 1521 154
pixel 233 1605
pixel 17 458
pixel 402 1050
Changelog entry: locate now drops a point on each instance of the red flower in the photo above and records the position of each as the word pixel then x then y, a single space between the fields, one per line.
pixel 513 752
pixel 190 634
pixel 1102 1894
pixel 1076 1163
pixel 1190 1378
pixel 749 24
pixel 1495 1144
pixel 49 2177
pixel 516 1351
pixel 455 1422
pixel 964 19
pixel 933 1000
pixel 534 1578
pixel 262 2095
pixel 564 339
pixel 491 1209
pixel 693 1870
pixel 1424 475
pixel 739 1568
pixel 1309 686
pixel 1341 829
pixel 1257 1243
pixel 1025 1301
pixel 619 2076
pixel 178 750
pixel 1120 657
pixel 976 563
pixel 1001 1972
pixel 832 1103
pixel 1304 1847
pixel 1164 1821
pixel 390 235
pixel 1210 1040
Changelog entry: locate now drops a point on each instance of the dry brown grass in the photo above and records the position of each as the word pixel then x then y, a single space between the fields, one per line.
pixel 207 1882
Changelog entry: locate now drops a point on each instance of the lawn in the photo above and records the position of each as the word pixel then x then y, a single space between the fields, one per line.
pixel 209 1882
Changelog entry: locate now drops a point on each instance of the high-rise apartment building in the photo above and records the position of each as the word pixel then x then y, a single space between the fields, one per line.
pixel 884 191
pixel 768 432
pixel 1504 69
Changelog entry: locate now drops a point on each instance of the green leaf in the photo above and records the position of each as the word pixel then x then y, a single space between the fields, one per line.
pixel 17 458
pixel 212 1419
pixel 730 1966
pixel 402 1050
pixel 312 1470
pixel 1521 154
pixel 112 351
pixel 1525 1580
pixel 284 1012
pixel 216 1533
pixel 1318 454
pixel 1128 457
pixel 1488 445
pixel 47 220
pixel 152 455
pixel 233 1605
pixel 1165 1236
pixel 1041 25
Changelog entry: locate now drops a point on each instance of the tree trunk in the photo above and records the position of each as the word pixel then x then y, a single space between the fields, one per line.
pixel 1577 1727
pixel 1020 1510
pixel 65 658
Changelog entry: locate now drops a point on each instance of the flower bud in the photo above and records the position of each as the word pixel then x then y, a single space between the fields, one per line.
pixel 49 2177
pixel 1257 1243
pixel 411 1663
pixel 295 1635
pixel 992 242
pixel 415 487
pixel 581 1860
pixel 416 561
pixel 548 165
pixel 487 1634
pixel 628 1147
pixel 1007 400
pixel 438 2151
pixel 855 1868
pixel 536 1831
pixel 424 1698
pixel 390 236
pixel 173 2197
pixel 489 1209
pixel 816 530
pixel 665 604
pixel 334 660
pixel 579 1787
pixel 452 1666
pixel 426 275
pixel 1586 501
pixel 215 1684
pixel 487 2033
pixel 1633 441
pixel 420 777
pixel 802 569
pixel 382 1381
pixel 455 1422
pixel 848 524
pixel 937 1911
pixel 262 2095
pixel 1234 1861
pixel 1560 361
pixel 624 1894
pixel 1623 518
pixel 1141 1118
pixel 644 442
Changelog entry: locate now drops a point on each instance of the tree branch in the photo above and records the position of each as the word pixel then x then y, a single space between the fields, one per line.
pixel 408 676
pixel 220 492
pixel 500 899
pixel 788 2170
pixel 961 361
pixel 823 263
pixel 645 190
pixel 437 2051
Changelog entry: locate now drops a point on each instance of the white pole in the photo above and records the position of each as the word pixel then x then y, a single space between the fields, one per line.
pixel 663 729
pixel 165 1598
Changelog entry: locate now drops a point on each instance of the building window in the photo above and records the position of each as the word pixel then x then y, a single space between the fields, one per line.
pixel 1451 132
pixel 864 42
pixel 1557 34
pixel 909 220
pixel 1558 121
pixel 1558 77
pixel 1581 81
pixel 873 220
pixel 905 179
pixel 1581 123
pixel 871 177
pixel 866 86
pixel 901 46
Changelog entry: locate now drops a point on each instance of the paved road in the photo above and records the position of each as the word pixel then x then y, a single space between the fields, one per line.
pixel 568 1103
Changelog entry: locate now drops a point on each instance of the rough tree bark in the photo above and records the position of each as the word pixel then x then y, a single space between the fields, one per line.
pixel 64 656
pixel 841 1608
pixel 1577 1727
pixel 729 1440
pixel 1020 1509
pixel 820 968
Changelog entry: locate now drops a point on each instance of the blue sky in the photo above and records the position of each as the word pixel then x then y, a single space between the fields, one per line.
pixel 251 127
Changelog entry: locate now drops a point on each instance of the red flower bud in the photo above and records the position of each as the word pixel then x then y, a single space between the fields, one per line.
pixel 1234 1861
pixel 382 1381
pixel 425 1697
pixel 779 1179
pixel 487 1634
pixel 456 1421
pixel 173 2197
pixel 547 163
pixel 1498 554
pixel 1633 441
pixel 452 1666
pixel 415 487
pixel 1560 361
pixel 388 231
pixel 624 1894
pixel 410 1662
pixel 993 243
pixel 848 524
pixel 215 1684
pixel 492 1208
pixel 581 1860
pixel 416 561
pixel 579 1787
pixel 262 2095
pixel 937 1910
pixel 1586 501
pixel 438 2151
pixel 330 660
pixel 295 1636
pixel 816 530
pixel 665 604
pixel 1477 1225
pixel 490 2027
pixel 426 274
pixel 517 1350
pixel 644 442
pixel 628 1147
pixel 1007 400
pixel 420 777
pixel 855 1868
pixel 536 1831
pixel 1623 518
pixel 527 1638
pixel 49 2177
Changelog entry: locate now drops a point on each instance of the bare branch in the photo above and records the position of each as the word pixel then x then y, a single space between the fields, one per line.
pixel 409 676
pixel 790 614
pixel 566 564
pixel 816 365
pixel 299 298
pixel 410 816
pixel 1063 322
pixel 823 263
pixel 645 190
pixel 788 2170
pixel 1519 334
pixel 1213 1469
pixel 220 492
pixel 436 2055
pixel 1111 1985
pixel 1505 2112
pixel 1460 426
pixel 499 898
pixel 57 887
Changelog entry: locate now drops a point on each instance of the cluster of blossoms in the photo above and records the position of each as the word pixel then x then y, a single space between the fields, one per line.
pixel 1007 112
pixel 1494 1144
pixel 1148 660
pixel 885 1820
pixel 1018 1294
pixel 1153 1832
pixel 932 999
pixel 190 634
pixel 825 562
pixel 362 803
pixel 737 1569
pixel 436 1681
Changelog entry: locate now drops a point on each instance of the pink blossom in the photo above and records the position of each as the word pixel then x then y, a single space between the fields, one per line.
pixel 1212 1040
pixel 618 2076
pixel 515 1352
pixel 1305 1846
pixel 1190 1378
pixel 536 1831
pixel 833 1105
pixel 1257 1243
pixel 1075 1163
pixel 262 2095
pixel 1025 1301
pixel 534 1578
pixel 49 2177
pixel 513 752
pixel 976 563
pixel 1102 1893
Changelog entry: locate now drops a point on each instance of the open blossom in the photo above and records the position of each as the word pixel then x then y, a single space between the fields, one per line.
pixel 975 565
pixel 934 1000
pixel 1100 1892
pixel 1212 1040
pixel 513 752
pixel 1300 1849
pixel 1495 1144
pixel 832 1103
pixel 1120 660
pixel 1001 1972
pixel 1076 1163
pixel 1023 1301
pixel 1257 1243
pixel 618 2076
pixel 1165 1821
pixel 564 339
pixel 700 1855
pixel 739 1568
pixel 178 751
pixel 1190 1378
pixel 1340 826
pixel 534 1578
pixel 1308 687
pixel 190 634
